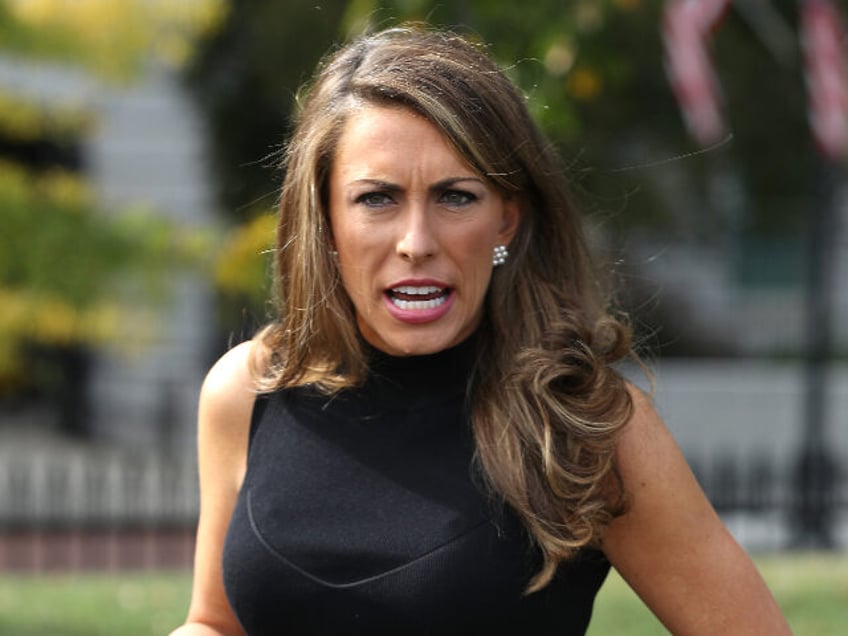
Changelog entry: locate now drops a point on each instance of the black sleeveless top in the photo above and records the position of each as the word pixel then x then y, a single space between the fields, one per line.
pixel 361 513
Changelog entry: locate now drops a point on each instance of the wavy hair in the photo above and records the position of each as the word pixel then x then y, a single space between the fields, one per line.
pixel 547 405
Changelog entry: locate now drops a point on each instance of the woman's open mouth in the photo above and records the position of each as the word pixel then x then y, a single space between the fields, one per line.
pixel 418 304
pixel 409 298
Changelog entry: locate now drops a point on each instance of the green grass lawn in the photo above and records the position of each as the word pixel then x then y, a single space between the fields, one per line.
pixel 88 604
pixel 812 589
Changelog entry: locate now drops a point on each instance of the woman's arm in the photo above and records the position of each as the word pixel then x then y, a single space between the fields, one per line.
pixel 226 403
pixel 671 546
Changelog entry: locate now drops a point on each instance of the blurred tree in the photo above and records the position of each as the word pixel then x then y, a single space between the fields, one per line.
pixel 59 253
pixel 246 78
pixel 589 67
pixel 113 38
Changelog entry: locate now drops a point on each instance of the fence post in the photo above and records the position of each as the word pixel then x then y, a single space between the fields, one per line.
pixel 815 469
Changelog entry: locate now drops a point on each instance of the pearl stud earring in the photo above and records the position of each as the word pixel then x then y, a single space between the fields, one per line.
pixel 499 255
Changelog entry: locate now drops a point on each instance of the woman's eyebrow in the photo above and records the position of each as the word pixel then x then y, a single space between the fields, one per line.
pixel 378 183
pixel 452 181
pixel 439 185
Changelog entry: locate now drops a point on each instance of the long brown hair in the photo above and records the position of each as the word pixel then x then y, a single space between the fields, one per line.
pixel 547 405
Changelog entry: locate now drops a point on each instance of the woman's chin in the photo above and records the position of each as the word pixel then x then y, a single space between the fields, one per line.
pixel 415 343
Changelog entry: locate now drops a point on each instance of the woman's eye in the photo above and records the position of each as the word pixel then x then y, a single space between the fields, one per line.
pixel 457 197
pixel 374 199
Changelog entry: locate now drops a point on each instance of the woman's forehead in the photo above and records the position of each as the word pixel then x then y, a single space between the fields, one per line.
pixel 400 148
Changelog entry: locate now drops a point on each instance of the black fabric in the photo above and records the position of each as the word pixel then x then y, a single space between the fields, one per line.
pixel 360 514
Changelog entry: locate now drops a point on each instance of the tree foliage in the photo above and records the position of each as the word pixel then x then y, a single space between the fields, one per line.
pixel 592 70
pixel 113 38
pixel 60 253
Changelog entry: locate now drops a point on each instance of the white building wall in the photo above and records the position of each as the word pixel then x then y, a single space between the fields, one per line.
pixel 149 150
pixel 146 149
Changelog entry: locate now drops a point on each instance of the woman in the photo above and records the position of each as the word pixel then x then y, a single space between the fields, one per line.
pixel 431 438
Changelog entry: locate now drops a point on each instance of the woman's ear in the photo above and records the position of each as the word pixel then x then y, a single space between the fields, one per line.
pixel 511 220
pixel 328 235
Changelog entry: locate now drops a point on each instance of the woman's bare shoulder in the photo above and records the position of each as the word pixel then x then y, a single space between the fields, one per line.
pixel 229 389
pixel 231 372
pixel 646 448
pixel 224 413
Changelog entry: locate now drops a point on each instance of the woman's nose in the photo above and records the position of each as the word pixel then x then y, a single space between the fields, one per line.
pixel 417 240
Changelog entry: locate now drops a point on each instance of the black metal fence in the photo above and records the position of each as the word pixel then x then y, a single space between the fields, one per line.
pixel 89 508
pixel 96 488
pixel 811 502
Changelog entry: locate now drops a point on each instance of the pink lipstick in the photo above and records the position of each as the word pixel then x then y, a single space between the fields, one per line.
pixel 417 302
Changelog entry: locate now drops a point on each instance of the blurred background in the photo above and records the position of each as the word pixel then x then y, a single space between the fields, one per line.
pixel 139 144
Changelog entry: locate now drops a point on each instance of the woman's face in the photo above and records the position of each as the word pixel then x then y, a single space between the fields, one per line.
pixel 414 227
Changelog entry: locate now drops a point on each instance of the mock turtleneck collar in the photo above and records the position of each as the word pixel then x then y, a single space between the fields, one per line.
pixel 421 377
pixel 401 383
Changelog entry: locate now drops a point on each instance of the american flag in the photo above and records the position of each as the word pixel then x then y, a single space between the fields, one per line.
pixel 687 25
pixel 822 34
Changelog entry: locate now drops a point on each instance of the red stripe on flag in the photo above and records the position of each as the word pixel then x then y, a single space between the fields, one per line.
pixel 826 73
pixel 686 27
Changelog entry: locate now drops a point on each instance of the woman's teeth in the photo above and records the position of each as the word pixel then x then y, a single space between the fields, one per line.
pixel 409 290
pixel 418 304
pixel 409 297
